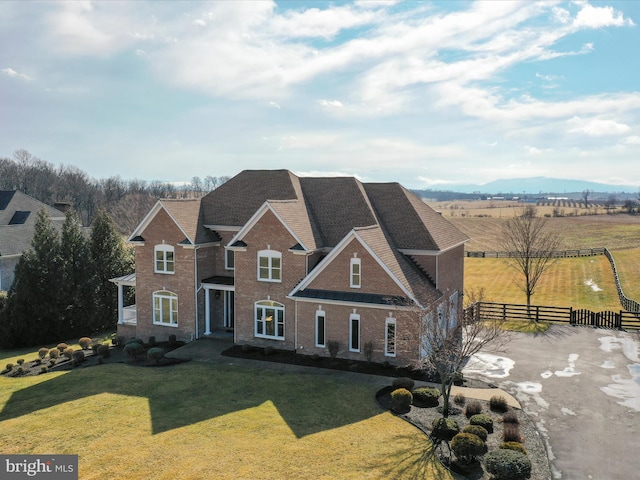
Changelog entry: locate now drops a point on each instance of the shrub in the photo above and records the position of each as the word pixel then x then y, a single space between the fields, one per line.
pixel 401 399
pixel 103 350
pixel 36 361
pixel 43 352
pixel 506 464
pixel 334 347
pixel 78 356
pixel 476 430
pixel 9 367
pixel 511 433
pixel 172 340
pixel 20 361
pixel 68 352
pixel 368 351
pixel 134 340
pixel 85 343
pixel 468 447
pixel 498 403
pixel 482 420
pixel 459 399
pixel 54 353
pixel 516 446
pixel 444 429
pixel 43 369
pixel 133 349
pixel 62 347
pixel 20 371
pixel 403 382
pixel 510 417
pixel 458 378
pixel 117 340
pixel 152 341
pixel 426 397
pixel 155 353
pixel 473 408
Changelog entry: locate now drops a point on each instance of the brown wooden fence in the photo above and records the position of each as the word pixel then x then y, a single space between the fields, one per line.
pixel 583 252
pixel 622 320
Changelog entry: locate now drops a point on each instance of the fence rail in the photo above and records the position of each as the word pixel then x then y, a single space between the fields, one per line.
pixel 626 302
pixel 583 252
pixel 621 320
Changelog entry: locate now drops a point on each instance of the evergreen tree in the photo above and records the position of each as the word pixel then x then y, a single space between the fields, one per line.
pixel 110 259
pixel 32 313
pixel 77 283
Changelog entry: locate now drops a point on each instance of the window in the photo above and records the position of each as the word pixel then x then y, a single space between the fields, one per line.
pixel 320 329
pixel 229 259
pixel 390 337
pixel 269 319
pixel 269 266
pixel 165 308
pixel 355 273
pixel 164 261
pixel 354 333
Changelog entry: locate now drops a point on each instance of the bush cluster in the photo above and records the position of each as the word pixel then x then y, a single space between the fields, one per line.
pixel 476 430
pixel 482 420
pixel 426 397
pixel 68 352
pixel 103 350
pixel 155 353
pixel 444 429
pixel 401 399
pixel 403 382
pixel 511 433
pixel 505 464
pixel 468 447
pixel 43 352
pixel 133 349
pixel 498 403
pixel 54 353
pixel 459 399
pixel 518 447
pixel 472 408
pixel 85 343
pixel 510 417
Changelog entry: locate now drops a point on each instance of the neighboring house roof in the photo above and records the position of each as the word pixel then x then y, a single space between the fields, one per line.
pixel 18 215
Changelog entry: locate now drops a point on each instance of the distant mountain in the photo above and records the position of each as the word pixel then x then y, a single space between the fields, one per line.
pixel 537 185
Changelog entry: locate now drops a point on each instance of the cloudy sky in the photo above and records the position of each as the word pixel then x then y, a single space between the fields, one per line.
pixel 423 93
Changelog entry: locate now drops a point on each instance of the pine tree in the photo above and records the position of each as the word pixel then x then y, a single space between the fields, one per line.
pixel 110 259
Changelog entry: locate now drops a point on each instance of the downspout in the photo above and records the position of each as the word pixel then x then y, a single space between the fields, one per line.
pixel 295 326
pixel 195 283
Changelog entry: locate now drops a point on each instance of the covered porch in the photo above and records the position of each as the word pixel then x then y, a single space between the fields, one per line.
pixel 126 313
pixel 219 305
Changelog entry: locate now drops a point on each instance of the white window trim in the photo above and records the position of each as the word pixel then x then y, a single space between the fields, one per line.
pixel 321 313
pixel 352 317
pixel 353 276
pixel 387 322
pixel 172 297
pixel 270 255
pixel 275 305
pixel 228 252
pixel 164 248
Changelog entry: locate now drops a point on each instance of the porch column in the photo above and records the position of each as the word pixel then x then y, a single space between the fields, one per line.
pixel 207 311
pixel 120 303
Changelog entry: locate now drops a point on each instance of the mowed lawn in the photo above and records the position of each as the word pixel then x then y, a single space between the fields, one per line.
pixel 585 282
pixel 197 421
pixel 628 266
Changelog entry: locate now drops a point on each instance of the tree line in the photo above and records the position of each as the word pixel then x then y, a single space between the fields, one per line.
pixel 61 287
pixel 127 201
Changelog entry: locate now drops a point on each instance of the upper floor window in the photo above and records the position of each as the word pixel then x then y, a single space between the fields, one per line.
pixel 165 308
pixel 229 259
pixel 269 266
pixel 356 273
pixel 269 319
pixel 164 259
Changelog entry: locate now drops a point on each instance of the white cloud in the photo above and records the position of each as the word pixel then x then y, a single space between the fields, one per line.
pixel 274 104
pixel 10 72
pixel 595 127
pixel 331 103
pixel 599 17
pixel 632 140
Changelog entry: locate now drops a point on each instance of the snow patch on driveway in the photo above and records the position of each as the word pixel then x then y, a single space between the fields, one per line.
pixel 628 345
pixel 626 389
pixel 488 365
pixel 570 370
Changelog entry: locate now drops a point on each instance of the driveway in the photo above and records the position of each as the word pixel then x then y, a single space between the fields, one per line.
pixel 581 387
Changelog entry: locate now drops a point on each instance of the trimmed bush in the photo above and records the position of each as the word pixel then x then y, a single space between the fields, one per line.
pixel 426 397
pixel 518 447
pixel 172 340
pixel 155 353
pixel 85 343
pixel 43 369
pixel 510 417
pixel 78 356
pixel 498 403
pixel 54 353
pixel 506 464
pixel 468 447
pixel 103 350
pixel 482 420
pixel 458 378
pixel 9 367
pixel 459 399
pixel 20 361
pixel 444 429
pixel 403 382
pixel 133 349
pixel 368 351
pixel 20 371
pixel 476 430
pixel 511 433
pixel 62 347
pixel 43 352
pixel 401 399
pixel 68 352
pixel 117 340
pixel 134 340
pixel 474 407
pixel 152 341
pixel 334 347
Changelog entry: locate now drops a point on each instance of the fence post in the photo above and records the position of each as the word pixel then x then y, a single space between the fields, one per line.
pixel 504 312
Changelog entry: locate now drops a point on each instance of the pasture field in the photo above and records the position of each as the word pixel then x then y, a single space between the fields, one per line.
pixel 195 421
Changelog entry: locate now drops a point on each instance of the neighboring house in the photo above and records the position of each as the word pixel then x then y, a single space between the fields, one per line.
pixel 293 263
pixel 18 214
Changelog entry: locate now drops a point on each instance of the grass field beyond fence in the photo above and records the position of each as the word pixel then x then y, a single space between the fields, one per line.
pixel 197 421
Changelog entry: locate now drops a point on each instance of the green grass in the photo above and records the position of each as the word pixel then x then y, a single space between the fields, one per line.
pixel 194 421
pixel 569 282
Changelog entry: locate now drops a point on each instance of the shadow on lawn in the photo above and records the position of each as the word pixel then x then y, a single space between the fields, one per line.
pixel 185 394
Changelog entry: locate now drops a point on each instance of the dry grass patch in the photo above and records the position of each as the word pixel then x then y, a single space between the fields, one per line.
pixel 628 266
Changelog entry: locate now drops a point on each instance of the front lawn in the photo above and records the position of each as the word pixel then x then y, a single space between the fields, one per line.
pixel 208 421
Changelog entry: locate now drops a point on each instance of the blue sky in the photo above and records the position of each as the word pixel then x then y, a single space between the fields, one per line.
pixel 423 93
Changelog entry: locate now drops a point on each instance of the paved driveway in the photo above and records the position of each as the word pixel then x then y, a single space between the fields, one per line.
pixel 581 386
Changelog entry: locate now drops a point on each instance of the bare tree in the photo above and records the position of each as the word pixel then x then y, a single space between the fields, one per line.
pixel 531 247
pixel 450 336
pixel 585 196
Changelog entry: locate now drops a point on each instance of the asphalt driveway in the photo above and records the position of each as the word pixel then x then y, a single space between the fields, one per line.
pixel 581 387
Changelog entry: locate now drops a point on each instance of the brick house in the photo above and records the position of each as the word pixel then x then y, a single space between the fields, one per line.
pixel 293 263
